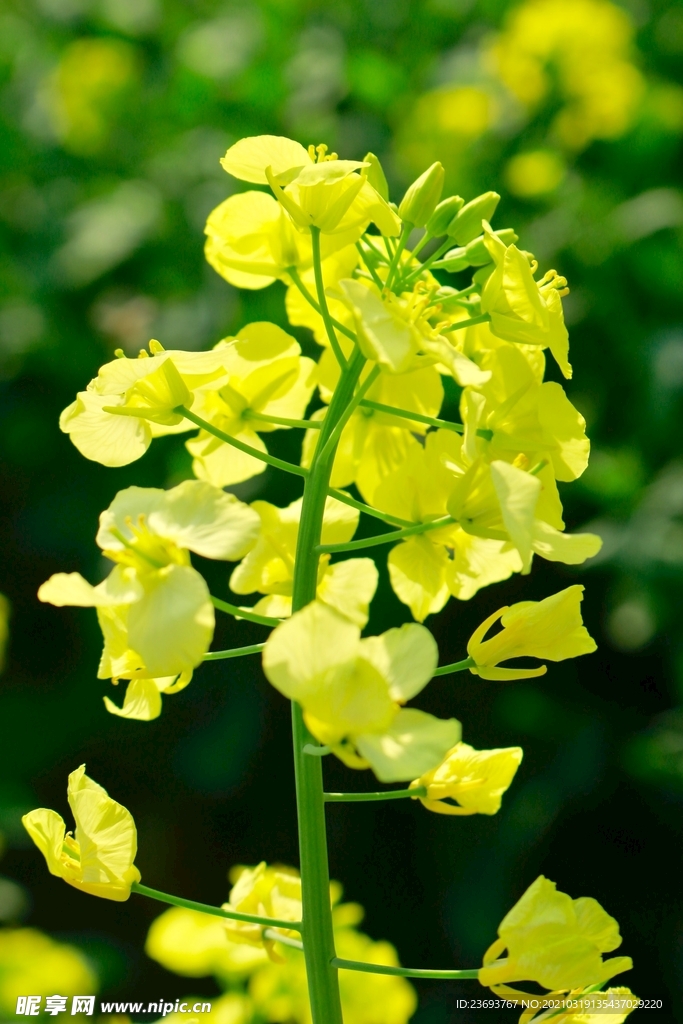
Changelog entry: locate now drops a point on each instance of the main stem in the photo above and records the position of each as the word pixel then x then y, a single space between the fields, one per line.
pixel 319 951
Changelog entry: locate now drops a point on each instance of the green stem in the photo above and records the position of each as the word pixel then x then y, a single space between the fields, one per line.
pixel 414 274
pixel 322 298
pixel 419 417
pixel 288 467
pixel 402 242
pixel 316 306
pixel 457 666
pixel 283 421
pixel 284 940
pixel 359 798
pixel 236 652
pixel 373 273
pixel 333 439
pixel 400 972
pixel 205 908
pixel 386 538
pixel 368 509
pixel 244 613
pixel 432 421
pixel 323 985
pixel 472 322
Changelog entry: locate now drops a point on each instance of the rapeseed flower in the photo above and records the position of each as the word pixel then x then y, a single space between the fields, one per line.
pixel 352 690
pixel 154 608
pixel 555 941
pixel 31 961
pixel 99 858
pixel 476 779
pixel 552 629
pixel 268 568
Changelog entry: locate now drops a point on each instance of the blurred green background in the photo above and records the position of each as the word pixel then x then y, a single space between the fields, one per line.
pixel 113 116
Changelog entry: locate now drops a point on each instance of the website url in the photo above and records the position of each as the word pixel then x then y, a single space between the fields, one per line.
pixel 161 1007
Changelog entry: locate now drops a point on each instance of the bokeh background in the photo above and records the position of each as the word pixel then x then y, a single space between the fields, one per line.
pixel 113 116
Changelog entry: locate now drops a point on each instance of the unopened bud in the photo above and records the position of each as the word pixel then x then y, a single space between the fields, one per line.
pixel 376 176
pixel 419 202
pixel 437 224
pixel 477 253
pixel 481 276
pixel 453 261
pixel 467 224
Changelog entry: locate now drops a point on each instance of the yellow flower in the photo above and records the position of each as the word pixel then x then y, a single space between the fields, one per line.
pixel 194 945
pixel 141 392
pixel 551 629
pixel 315 189
pixel 279 991
pixel 268 892
pixel 268 568
pixel 555 941
pixel 586 1007
pixel 270 379
pixel 351 690
pixel 230 1008
pixel 99 858
pixel 524 416
pixel 31 961
pixel 477 779
pixel 522 309
pixel 251 241
pixel 395 331
pixel 154 608
pixel 502 501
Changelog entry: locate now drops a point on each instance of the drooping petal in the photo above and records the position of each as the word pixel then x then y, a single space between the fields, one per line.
pixel 418 570
pixel 142 701
pixel 105 832
pixel 570 548
pixel 415 743
pixel 46 828
pixel 171 627
pixel 71 589
pixel 406 656
pixel 102 436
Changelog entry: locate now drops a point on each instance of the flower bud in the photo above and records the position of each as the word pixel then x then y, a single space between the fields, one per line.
pixel 375 175
pixel 437 224
pixel 419 202
pixel 467 224
pixel 453 261
pixel 476 251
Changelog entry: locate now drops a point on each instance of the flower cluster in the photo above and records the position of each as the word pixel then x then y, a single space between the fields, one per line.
pixel 467 504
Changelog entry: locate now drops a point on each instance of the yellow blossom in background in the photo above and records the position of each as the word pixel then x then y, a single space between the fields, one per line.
pixel 581 47
pixel 88 89
pixel 268 892
pixel 268 568
pixel 194 945
pixel 5 611
pixel 476 779
pixel 534 173
pixel 230 1008
pixel 99 858
pixel 31 961
pixel 551 629
pixel 352 690
pixel 154 608
pixel 555 941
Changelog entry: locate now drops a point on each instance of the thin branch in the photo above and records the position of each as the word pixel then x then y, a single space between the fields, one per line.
pixel 283 421
pixel 457 666
pixel 472 322
pixel 316 306
pixel 399 972
pixel 359 798
pixel 322 298
pixel 285 940
pixel 243 613
pixel 288 467
pixel 419 417
pixel 204 908
pixel 236 652
pixel 386 538
pixel 368 509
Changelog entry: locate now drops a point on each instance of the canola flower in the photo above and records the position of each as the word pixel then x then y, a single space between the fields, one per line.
pixel 99 857
pixel 154 608
pixel 554 940
pixel 459 505
pixel 31 961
